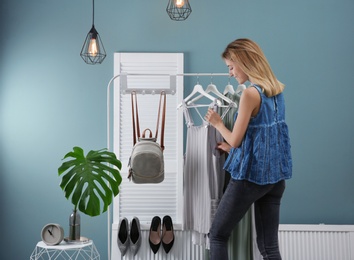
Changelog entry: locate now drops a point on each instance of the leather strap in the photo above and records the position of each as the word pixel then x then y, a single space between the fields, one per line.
pixel 135 118
pixel 144 133
pixel 163 120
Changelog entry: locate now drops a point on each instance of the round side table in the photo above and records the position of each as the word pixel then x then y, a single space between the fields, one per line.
pixel 67 251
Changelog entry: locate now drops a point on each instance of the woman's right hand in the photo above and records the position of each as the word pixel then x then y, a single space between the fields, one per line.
pixel 213 118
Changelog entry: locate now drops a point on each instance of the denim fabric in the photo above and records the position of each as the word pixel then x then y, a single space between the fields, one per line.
pixel 264 156
pixel 235 202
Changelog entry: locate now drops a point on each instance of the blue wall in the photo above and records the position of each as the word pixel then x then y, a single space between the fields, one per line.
pixel 50 100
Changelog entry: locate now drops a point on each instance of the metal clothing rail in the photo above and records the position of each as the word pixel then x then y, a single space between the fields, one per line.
pixel 181 74
pixel 123 78
pixel 171 90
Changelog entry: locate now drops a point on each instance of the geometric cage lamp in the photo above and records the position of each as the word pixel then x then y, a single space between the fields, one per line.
pixel 178 10
pixel 92 51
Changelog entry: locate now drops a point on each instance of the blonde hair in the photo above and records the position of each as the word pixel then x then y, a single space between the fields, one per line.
pixel 251 59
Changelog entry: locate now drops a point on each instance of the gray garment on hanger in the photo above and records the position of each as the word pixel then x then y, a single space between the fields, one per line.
pixel 229 118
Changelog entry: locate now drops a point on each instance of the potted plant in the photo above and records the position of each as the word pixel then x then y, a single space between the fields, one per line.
pixel 87 181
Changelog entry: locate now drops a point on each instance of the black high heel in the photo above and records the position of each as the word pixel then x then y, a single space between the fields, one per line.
pixel 168 237
pixel 155 234
pixel 123 237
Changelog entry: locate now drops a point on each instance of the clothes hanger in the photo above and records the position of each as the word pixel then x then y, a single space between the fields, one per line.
pixel 229 88
pixel 198 89
pixel 213 89
pixel 240 88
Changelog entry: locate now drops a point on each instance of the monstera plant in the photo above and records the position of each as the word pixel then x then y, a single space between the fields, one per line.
pixel 91 179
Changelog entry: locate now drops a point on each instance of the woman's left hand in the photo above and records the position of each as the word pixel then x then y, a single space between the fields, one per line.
pixel 223 146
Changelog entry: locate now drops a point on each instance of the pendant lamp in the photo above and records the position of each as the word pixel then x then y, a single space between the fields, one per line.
pixel 92 51
pixel 178 10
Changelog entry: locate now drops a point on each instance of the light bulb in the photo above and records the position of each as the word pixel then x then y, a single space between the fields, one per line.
pixel 92 49
pixel 179 3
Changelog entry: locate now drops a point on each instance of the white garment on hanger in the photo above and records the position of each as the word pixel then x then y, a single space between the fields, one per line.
pixel 203 178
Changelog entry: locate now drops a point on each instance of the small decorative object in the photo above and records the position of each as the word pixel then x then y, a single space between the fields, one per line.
pixel 52 234
pixel 74 224
pixel 87 181
pixel 178 10
pixel 92 51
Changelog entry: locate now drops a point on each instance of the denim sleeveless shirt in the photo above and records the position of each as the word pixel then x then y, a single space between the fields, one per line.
pixel 264 156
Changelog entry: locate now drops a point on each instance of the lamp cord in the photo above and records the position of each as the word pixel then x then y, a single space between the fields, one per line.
pixel 93 12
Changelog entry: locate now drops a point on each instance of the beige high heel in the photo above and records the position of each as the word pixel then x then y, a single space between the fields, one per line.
pixel 155 234
pixel 168 237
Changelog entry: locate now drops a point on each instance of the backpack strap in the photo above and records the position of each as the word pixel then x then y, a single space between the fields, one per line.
pixel 135 118
pixel 163 119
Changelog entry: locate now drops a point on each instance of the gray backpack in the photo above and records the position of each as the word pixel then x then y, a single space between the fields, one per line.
pixel 146 163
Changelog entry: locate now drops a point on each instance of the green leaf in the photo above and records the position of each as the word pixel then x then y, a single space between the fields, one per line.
pixel 90 181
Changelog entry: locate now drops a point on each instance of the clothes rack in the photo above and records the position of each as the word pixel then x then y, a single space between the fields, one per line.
pixel 123 77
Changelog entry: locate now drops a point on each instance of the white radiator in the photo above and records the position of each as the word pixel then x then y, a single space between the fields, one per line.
pixel 296 242
pixel 316 242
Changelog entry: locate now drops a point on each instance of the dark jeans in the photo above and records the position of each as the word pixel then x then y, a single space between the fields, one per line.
pixel 237 199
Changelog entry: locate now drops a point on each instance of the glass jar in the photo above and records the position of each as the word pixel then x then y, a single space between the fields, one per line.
pixel 74 224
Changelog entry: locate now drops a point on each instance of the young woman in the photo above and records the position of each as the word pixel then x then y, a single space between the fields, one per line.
pixel 259 158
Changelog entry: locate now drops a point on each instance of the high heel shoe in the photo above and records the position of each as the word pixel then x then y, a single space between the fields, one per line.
pixel 135 235
pixel 123 238
pixel 155 234
pixel 168 237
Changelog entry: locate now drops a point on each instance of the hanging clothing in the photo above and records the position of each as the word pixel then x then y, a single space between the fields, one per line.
pixel 229 118
pixel 241 239
pixel 203 177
